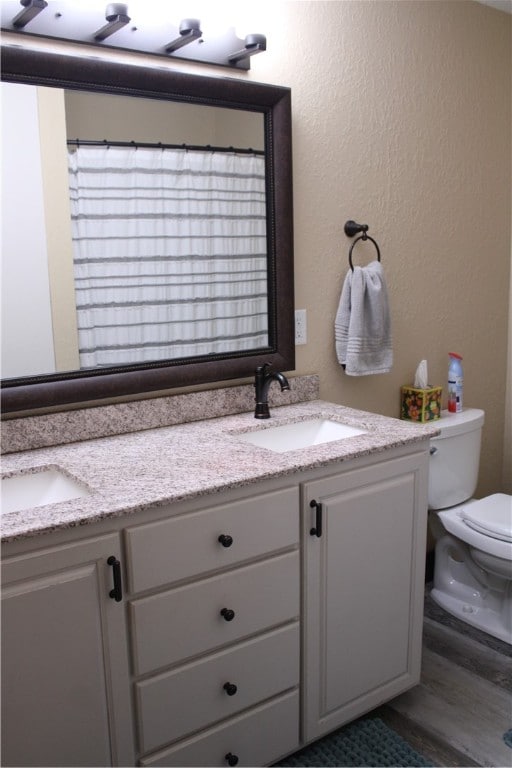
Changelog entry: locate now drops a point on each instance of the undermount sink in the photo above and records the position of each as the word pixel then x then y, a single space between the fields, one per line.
pixel 301 434
pixel 35 489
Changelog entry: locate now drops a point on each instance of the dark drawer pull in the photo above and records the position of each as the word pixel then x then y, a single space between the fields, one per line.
pixel 116 593
pixel 230 688
pixel 317 530
pixel 231 759
pixel 227 614
pixel 225 540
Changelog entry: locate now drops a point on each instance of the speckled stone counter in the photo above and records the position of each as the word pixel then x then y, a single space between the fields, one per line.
pixel 130 472
pixel 23 434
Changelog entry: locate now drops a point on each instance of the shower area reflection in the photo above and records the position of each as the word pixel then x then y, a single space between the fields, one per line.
pixel 169 251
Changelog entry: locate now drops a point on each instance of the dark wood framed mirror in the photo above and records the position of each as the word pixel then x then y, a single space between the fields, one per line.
pixel 273 103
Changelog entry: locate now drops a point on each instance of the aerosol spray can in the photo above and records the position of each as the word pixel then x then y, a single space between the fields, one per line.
pixel 455 383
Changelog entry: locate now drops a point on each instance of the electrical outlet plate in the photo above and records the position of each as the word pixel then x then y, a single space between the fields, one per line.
pixel 301 334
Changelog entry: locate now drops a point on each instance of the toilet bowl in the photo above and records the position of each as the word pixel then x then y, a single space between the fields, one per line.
pixel 473 554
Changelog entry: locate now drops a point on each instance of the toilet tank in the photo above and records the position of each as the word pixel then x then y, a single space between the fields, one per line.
pixel 455 457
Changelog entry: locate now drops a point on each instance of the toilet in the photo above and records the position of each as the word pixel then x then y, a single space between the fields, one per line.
pixel 473 555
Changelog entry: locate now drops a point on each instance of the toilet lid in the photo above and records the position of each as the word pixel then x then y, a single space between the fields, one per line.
pixel 491 516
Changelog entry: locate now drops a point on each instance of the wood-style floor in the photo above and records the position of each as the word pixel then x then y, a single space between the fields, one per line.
pixel 459 713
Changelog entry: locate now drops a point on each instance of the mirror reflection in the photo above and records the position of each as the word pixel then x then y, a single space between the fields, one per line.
pixel 120 244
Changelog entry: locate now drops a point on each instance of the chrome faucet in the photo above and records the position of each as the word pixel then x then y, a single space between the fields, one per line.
pixel 262 382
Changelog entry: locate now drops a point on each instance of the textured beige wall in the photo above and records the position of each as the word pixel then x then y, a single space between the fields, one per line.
pixel 401 119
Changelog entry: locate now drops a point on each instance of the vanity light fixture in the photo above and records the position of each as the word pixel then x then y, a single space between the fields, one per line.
pixel 32 8
pixel 117 17
pixel 190 29
pixel 253 44
pixel 152 33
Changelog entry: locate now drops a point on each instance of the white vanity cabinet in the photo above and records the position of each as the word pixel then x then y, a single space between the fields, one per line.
pixel 65 681
pixel 242 634
pixel 364 581
pixel 214 617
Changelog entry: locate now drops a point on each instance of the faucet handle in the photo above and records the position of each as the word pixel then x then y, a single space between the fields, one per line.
pixel 262 368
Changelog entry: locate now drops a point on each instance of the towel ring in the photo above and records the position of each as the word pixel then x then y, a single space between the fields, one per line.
pixel 364 236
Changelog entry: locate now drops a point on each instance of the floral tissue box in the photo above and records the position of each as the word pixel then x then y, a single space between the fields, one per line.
pixel 421 404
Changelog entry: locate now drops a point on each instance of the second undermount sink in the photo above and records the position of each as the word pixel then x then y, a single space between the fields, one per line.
pixel 35 489
pixel 301 434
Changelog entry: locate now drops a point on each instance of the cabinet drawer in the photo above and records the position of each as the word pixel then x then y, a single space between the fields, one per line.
pixel 174 626
pixel 186 546
pixel 258 737
pixel 180 702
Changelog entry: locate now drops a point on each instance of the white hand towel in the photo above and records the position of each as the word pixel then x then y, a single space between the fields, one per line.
pixel 363 326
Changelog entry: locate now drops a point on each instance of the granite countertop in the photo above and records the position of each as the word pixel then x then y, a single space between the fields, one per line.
pixel 130 472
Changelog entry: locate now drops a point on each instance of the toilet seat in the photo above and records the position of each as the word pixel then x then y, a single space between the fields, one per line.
pixel 491 516
pixel 478 528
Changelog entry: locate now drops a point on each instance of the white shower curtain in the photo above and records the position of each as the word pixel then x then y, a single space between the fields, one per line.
pixel 169 253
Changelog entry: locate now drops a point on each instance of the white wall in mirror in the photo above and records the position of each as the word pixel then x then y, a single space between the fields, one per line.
pixel 25 282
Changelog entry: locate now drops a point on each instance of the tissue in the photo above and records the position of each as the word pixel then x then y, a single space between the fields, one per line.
pixel 420 402
pixel 421 376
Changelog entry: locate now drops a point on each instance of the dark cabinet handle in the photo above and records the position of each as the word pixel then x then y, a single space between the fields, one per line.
pixel 116 593
pixel 230 688
pixel 225 540
pixel 317 530
pixel 227 614
pixel 231 759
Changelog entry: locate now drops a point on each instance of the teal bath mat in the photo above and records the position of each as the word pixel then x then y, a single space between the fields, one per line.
pixel 367 742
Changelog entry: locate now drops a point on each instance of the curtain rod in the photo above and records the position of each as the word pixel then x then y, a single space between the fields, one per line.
pixel 160 145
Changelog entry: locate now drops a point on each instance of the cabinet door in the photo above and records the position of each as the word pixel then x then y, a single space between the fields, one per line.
pixel 364 587
pixel 65 687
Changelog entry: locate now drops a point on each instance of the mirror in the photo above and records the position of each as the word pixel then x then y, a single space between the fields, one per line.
pixel 93 87
pixel 147 244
